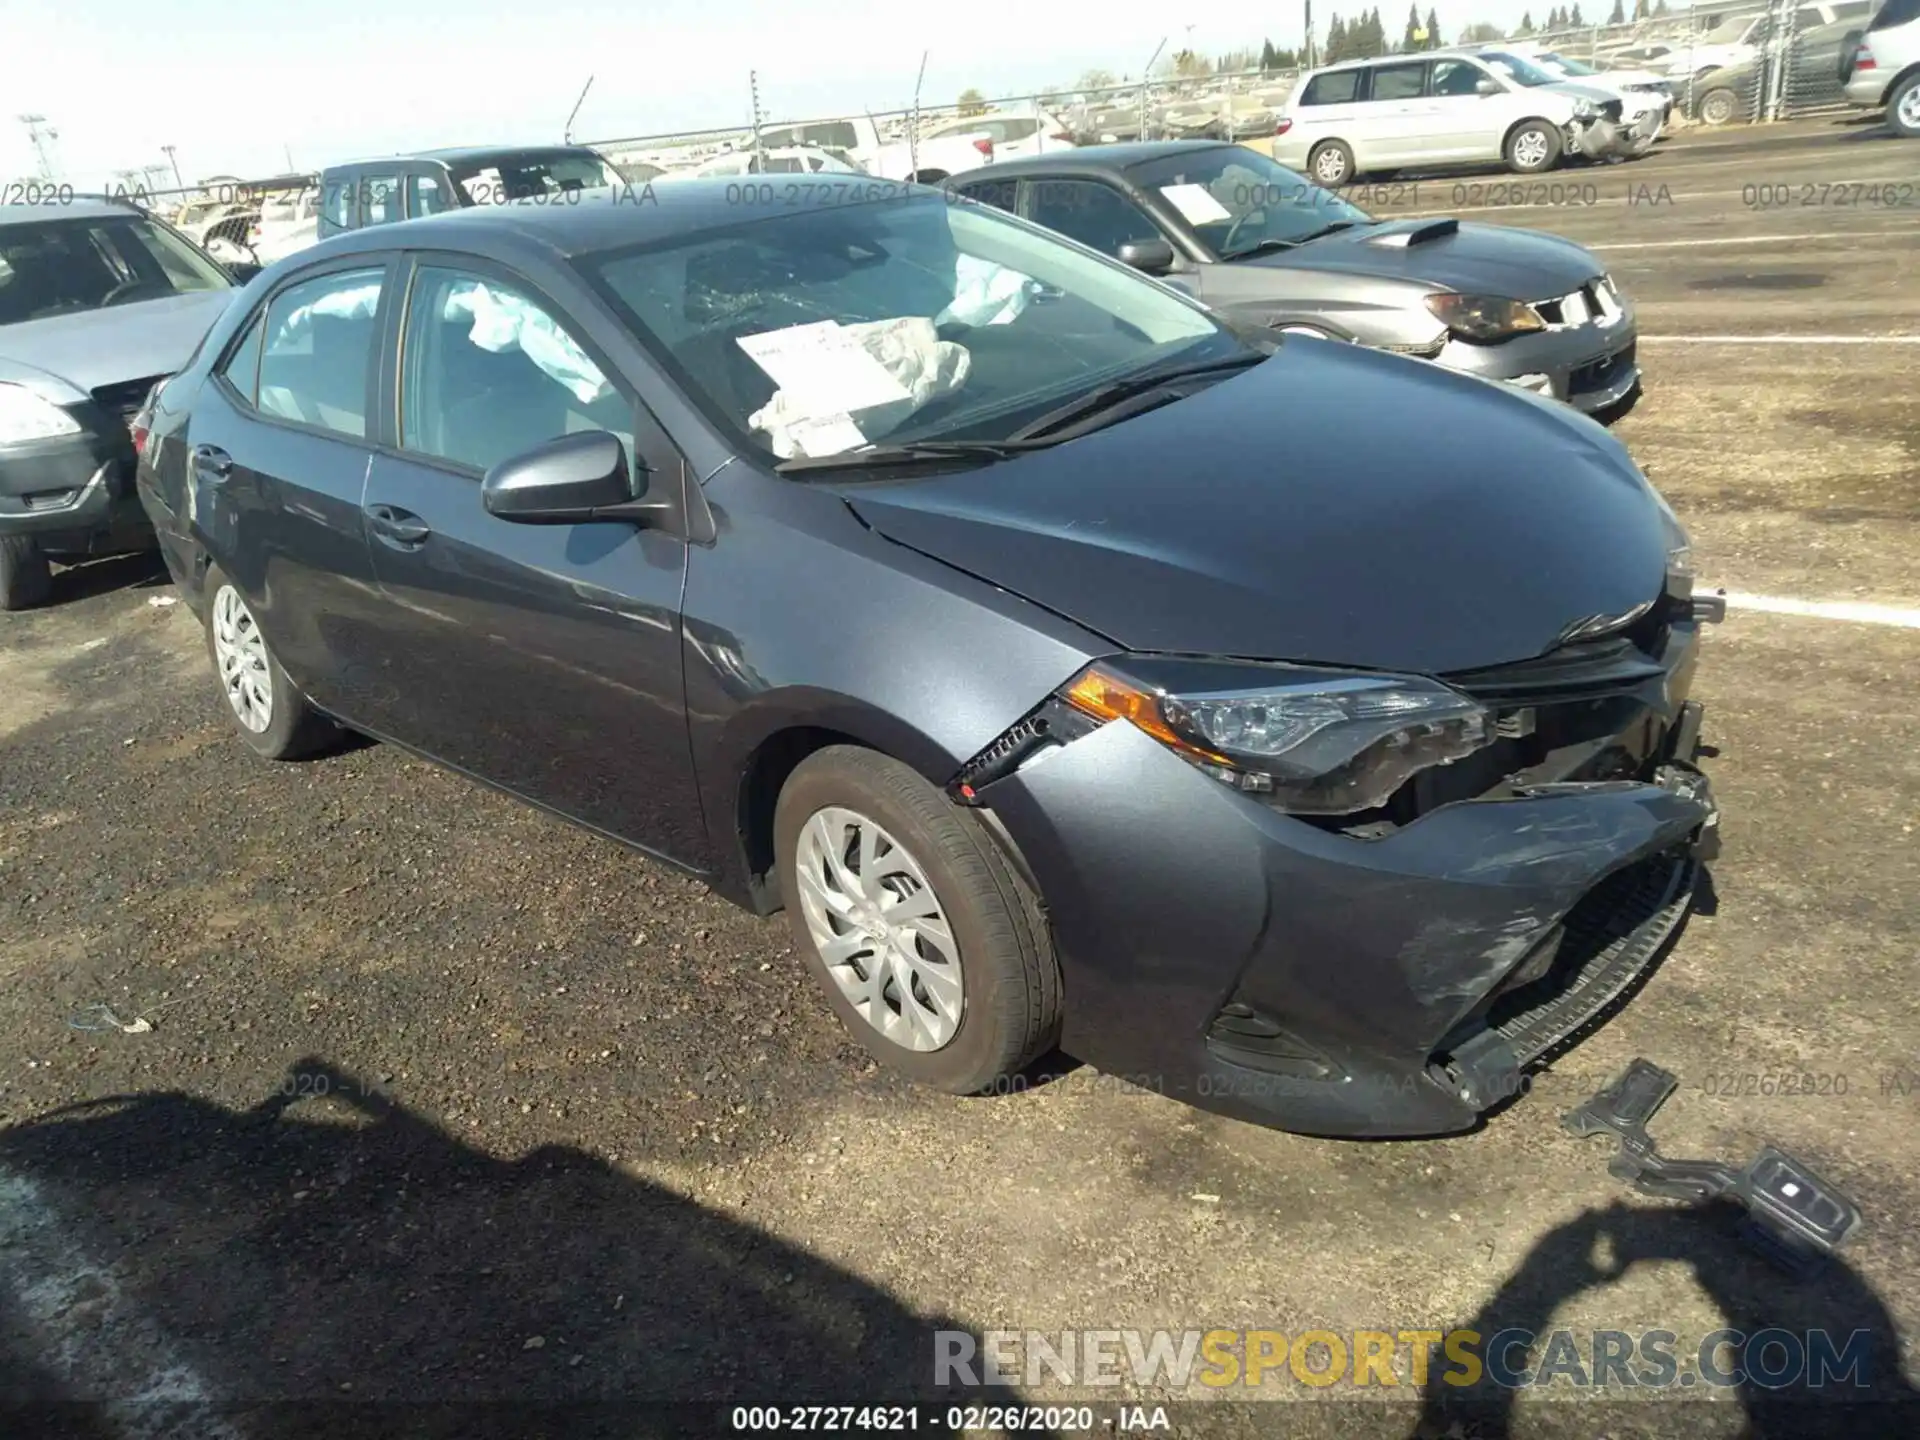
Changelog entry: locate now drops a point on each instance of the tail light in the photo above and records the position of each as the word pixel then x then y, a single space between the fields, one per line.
pixel 1863 59
pixel 984 146
pixel 1283 124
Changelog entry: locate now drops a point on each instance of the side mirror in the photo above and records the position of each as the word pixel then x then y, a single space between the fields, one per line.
pixel 1150 257
pixel 572 480
pixel 1487 85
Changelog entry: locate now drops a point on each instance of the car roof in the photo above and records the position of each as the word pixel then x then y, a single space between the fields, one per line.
pixel 640 213
pixel 80 207
pixel 468 155
pixel 1090 159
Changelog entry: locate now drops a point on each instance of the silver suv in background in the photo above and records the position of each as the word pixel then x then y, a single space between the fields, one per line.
pixel 1410 112
pixel 1886 67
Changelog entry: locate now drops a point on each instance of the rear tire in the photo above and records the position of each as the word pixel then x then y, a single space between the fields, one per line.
pixel 1533 147
pixel 960 995
pixel 26 579
pixel 1718 107
pixel 1903 109
pixel 270 713
pixel 1331 164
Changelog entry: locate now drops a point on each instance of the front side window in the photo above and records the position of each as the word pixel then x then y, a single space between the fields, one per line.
pixel 1521 72
pixel 63 267
pixel 490 373
pixel 1238 201
pixel 242 370
pixel 1096 215
pixel 318 351
pixel 1456 78
pixel 814 331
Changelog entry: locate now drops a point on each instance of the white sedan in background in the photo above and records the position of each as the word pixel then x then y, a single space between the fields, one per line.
pixel 783 160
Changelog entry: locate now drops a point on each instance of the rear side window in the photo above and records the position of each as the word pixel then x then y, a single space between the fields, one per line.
pixel 1398 82
pixel 1336 87
pixel 336 205
pixel 318 351
pixel 1895 12
pixel 998 193
pixel 1098 216
pixel 379 199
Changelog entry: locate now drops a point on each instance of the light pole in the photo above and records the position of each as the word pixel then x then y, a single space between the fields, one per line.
pixel 167 150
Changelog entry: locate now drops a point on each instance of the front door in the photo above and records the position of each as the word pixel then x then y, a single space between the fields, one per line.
pixel 542 658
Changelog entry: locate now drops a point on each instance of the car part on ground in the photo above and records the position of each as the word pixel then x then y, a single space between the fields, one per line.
pixel 1262 245
pixel 1795 1217
pixel 98 302
pixel 1352 880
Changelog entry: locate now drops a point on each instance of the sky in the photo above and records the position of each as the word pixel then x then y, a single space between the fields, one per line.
pixel 241 90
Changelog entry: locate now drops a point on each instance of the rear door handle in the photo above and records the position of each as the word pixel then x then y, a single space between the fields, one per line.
pixel 400 528
pixel 212 461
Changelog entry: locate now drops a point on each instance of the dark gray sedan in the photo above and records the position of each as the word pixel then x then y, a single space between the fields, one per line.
pixel 1261 243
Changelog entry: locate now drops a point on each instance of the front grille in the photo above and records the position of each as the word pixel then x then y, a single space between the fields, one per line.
pixel 1599 374
pixel 1608 943
pixel 125 397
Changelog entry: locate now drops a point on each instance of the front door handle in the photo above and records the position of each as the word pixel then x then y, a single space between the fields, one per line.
pixel 400 528
pixel 212 461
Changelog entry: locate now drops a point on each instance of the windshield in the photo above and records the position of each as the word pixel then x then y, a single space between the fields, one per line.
pixel 531 176
pixel 1566 66
pixel 1235 199
pixel 1523 72
pixel 60 267
pixel 816 330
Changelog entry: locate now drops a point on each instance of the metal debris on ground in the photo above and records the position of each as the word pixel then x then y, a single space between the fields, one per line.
pixel 100 1017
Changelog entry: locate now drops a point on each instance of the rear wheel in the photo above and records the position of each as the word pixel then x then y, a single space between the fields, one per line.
pixel 26 579
pixel 1903 108
pixel 931 951
pixel 273 717
pixel 1331 163
pixel 1719 107
pixel 1533 146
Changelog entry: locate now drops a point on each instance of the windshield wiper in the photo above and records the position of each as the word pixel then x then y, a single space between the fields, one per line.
pixel 908 452
pixel 1108 397
pixel 1262 247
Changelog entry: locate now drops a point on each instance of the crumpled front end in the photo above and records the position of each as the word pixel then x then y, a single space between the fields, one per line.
pixel 1601 138
pixel 1382 975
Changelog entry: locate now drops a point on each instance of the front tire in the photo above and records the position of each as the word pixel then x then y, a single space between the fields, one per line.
pixel 1719 107
pixel 931 951
pixel 271 714
pixel 26 579
pixel 1533 147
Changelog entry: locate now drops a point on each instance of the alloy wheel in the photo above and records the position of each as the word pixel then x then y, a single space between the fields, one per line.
pixel 240 652
pixel 1909 108
pixel 879 928
pixel 1530 150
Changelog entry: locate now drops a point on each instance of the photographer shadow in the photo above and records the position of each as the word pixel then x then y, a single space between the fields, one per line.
pixel 1751 1294
pixel 329 1263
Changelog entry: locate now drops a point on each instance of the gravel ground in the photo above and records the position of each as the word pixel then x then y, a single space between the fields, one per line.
pixel 438 1101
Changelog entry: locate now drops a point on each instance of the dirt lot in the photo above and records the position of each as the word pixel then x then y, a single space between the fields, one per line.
pixel 443 1101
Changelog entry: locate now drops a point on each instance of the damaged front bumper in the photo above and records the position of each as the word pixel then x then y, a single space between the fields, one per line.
pixel 1601 139
pixel 1245 961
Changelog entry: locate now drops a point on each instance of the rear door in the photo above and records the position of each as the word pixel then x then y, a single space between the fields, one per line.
pixel 542 658
pixel 278 453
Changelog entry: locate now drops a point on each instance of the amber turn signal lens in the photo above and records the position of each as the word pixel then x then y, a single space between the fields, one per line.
pixel 1105 696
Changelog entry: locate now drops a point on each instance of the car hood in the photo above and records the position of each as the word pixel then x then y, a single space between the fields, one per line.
pixel 1584 89
pixel 1278 515
pixel 92 348
pixel 1473 259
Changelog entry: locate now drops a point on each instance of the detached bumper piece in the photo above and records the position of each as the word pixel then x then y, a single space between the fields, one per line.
pixel 1794 1217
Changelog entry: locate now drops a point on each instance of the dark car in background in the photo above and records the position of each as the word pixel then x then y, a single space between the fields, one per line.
pixel 405 187
pixel 98 301
pixel 1067 664
pixel 1262 244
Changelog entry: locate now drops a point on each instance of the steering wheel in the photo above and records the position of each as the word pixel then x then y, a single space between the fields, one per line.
pixel 126 287
pixel 1233 230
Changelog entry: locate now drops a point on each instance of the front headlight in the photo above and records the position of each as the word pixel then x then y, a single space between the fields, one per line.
pixel 25 416
pixel 1485 318
pixel 1309 741
pixel 1585 110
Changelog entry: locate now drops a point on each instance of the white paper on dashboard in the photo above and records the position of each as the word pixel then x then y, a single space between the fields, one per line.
pixel 1196 202
pixel 823 369
pixel 826 435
